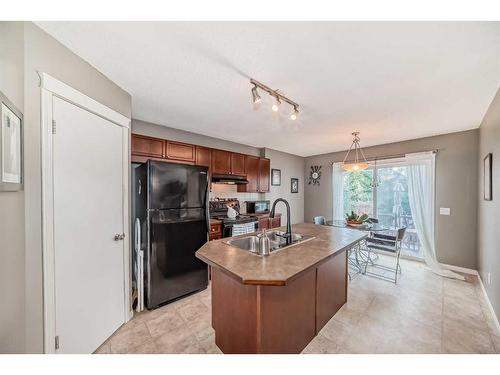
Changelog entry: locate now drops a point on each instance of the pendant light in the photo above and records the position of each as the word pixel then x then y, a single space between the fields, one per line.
pixel 356 165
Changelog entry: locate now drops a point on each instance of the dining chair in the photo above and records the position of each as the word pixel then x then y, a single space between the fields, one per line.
pixel 320 220
pixel 383 243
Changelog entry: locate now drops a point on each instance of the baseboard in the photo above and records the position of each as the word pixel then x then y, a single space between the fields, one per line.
pixel 468 271
pixel 490 306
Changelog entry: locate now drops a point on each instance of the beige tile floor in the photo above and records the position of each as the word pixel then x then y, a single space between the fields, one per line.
pixel 423 313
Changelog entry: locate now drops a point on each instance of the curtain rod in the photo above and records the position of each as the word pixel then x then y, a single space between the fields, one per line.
pixel 385 157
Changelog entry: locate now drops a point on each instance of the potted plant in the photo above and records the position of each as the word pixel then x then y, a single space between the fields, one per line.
pixel 354 219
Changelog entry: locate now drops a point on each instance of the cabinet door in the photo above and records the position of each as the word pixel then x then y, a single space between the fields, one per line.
pixel 275 222
pixel 221 162
pixel 264 175
pixel 331 288
pixel 263 223
pixel 147 146
pixel 238 164
pixel 180 151
pixel 252 169
pixel 203 156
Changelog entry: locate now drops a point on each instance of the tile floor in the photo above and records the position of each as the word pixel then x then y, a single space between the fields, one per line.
pixel 423 313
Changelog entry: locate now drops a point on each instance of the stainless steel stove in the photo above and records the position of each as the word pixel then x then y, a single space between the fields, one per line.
pixel 218 210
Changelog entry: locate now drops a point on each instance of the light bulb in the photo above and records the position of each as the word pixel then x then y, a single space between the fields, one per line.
pixel 276 106
pixel 294 114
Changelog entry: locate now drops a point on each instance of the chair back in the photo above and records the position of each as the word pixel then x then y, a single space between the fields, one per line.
pixel 320 220
pixel 400 234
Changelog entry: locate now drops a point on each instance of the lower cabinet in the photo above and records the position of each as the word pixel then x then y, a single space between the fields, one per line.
pixel 215 231
pixel 265 222
pixel 331 288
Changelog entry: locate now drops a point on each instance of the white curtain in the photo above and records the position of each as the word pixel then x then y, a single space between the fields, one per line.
pixel 338 191
pixel 421 194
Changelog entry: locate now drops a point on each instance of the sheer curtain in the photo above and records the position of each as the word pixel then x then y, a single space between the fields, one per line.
pixel 421 194
pixel 338 191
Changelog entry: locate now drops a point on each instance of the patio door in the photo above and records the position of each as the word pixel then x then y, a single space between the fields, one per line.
pixel 381 191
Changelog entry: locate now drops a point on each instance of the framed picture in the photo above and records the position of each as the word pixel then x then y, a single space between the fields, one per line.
pixel 11 144
pixel 295 185
pixel 275 177
pixel 488 161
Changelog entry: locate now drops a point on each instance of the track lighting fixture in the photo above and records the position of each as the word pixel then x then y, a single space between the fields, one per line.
pixel 255 95
pixel 276 94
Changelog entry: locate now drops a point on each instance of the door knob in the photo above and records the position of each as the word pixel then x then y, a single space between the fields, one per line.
pixel 119 237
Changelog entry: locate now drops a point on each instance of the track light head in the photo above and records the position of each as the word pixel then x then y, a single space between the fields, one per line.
pixel 255 95
pixel 294 114
pixel 276 105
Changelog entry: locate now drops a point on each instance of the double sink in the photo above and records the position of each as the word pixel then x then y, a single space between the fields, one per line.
pixel 277 240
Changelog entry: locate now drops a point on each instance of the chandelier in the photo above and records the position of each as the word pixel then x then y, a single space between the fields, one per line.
pixel 356 165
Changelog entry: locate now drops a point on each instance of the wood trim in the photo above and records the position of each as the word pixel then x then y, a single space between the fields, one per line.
pixel 143 159
pixel 81 100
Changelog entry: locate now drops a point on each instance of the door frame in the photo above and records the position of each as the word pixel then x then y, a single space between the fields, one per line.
pixel 50 88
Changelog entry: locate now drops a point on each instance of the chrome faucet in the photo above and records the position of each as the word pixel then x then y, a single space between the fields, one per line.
pixel 288 234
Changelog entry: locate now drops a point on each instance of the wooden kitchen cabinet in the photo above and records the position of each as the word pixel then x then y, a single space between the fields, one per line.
pixel 237 164
pixel 221 162
pixel 252 170
pixel 180 151
pixel 264 175
pixel 147 146
pixel 331 289
pixel 215 231
pixel 257 172
pixel 203 157
pixel 263 223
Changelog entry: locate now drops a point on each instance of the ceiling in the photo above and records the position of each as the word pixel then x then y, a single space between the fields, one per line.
pixel 390 81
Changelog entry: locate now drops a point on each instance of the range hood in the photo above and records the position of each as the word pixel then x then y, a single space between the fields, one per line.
pixel 229 179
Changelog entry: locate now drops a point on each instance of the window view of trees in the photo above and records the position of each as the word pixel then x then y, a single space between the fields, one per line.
pixel 388 201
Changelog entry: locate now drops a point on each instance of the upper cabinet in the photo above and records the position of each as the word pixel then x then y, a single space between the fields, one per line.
pixel 180 151
pixel 257 172
pixel 264 175
pixel 221 162
pixel 237 164
pixel 203 156
pixel 252 168
pixel 147 146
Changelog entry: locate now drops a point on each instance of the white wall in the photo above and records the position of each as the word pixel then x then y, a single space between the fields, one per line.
pixel 12 203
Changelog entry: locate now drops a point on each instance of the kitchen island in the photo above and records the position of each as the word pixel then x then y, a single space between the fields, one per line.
pixel 278 303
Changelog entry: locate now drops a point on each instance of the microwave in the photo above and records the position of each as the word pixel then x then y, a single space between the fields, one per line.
pixel 258 207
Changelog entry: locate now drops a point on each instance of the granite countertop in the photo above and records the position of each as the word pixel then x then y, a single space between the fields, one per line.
pixel 282 265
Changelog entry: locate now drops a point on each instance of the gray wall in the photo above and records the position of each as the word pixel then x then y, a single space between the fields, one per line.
pixel 456 187
pixel 12 203
pixel 488 211
pixel 165 132
pixel 43 53
pixel 290 166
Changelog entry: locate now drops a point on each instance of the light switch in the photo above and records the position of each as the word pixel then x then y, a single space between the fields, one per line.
pixel 444 211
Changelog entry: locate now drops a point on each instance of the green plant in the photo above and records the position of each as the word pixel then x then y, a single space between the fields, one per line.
pixel 353 217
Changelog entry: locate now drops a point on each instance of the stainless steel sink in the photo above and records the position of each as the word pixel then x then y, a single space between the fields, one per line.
pixel 277 241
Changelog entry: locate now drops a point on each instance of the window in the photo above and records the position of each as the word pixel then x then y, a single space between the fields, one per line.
pixel 381 191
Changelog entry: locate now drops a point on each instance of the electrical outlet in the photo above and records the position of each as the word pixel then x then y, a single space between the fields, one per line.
pixel 445 211
pixel 488 278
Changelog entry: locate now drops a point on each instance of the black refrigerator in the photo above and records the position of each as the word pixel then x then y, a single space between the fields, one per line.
pixel 170 202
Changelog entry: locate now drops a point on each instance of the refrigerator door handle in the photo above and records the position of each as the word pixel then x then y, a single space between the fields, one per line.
pixel 207 218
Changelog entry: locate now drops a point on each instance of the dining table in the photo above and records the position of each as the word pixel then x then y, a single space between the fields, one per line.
pixel 357 256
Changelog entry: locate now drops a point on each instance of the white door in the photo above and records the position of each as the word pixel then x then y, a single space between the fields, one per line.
pixel 88 212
